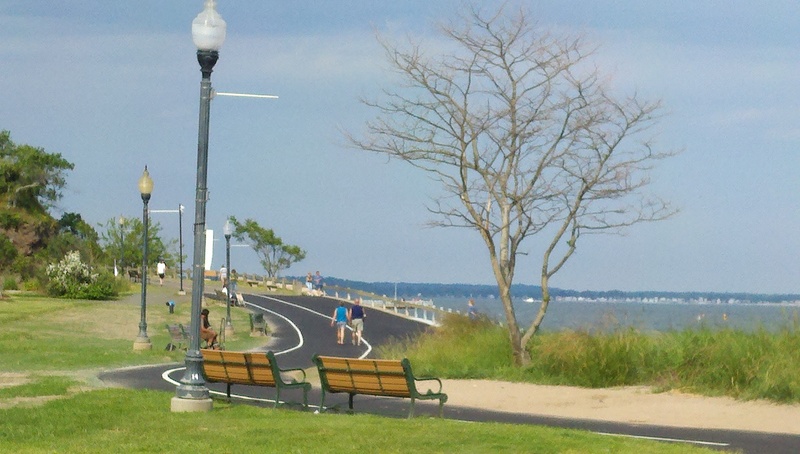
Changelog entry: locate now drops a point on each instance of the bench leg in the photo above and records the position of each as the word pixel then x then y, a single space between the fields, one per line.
pixel 350 401
pixel 322 401
pixel 411 410
pixel 229 392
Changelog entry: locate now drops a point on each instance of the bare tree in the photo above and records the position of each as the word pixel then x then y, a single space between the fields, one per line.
pixel 526 138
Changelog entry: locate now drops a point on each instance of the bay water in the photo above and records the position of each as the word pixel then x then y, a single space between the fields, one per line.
pixel 645 316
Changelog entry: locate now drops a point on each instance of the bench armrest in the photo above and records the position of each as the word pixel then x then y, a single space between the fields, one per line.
pixel 303 379
pixel 422 379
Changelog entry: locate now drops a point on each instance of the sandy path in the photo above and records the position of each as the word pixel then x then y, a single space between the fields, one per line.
pixel 635 405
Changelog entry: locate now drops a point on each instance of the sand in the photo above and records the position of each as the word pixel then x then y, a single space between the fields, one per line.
pixel 633 405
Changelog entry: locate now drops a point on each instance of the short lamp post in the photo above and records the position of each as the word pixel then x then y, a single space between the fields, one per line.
pixel 208 34
pixel 227 230
pixel 142 342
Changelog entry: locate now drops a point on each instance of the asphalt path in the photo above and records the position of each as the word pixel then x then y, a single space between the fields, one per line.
pixel 301 327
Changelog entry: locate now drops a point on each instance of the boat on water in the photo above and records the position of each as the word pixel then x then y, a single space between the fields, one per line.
pixel 529 300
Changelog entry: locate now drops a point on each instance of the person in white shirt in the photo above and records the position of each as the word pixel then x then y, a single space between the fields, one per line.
pixel 161 270
pixel 223 276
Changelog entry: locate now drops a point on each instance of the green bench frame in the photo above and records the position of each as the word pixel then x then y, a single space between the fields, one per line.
pixel 376 377
pixel 251 368
pixel 180 338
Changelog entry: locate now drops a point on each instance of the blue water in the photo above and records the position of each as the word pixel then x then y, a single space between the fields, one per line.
pixel 609 315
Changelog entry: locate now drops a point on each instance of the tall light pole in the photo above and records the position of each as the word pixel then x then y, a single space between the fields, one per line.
pixel 208 34
pixel 142 342
pixel 180 245
pixel 227 230
pixel 122 243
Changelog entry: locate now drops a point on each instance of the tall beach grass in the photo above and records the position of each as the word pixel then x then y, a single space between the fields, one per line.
pixel 719 362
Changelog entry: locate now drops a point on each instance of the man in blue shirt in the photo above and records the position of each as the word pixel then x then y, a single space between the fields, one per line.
pixel 356 316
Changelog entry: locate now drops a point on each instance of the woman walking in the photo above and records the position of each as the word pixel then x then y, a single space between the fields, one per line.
pixel 339 318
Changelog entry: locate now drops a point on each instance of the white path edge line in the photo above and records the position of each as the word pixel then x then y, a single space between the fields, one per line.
pixel 369 346
pixel 675 440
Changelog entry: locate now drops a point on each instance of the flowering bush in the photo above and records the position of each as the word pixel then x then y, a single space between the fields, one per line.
pixel 71 278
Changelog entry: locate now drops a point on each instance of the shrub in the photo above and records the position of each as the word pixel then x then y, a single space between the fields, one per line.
pixel 71 278
pixel 32 285
pixel 10 283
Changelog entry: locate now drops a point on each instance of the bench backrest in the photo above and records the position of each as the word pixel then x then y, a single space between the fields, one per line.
pixel 365 376
pixel 237 367
pixel 177 333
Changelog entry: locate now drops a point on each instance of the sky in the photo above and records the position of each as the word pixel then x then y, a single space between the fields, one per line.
pixel 114 85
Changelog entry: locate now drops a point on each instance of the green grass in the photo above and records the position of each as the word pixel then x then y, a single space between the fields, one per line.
pixel 140 421
pixel 745 365
pixel 47 334
pixel 40 386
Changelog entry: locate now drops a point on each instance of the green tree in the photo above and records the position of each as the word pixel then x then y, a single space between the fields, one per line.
pixel 74 234
pixel 274 255
pixel 30 178
pixel 124 243
pixel 526 138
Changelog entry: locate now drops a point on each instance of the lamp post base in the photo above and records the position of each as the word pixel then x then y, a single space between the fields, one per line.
pixel 181 292
pixel 183 405
pixel 229 330
pixel 142 344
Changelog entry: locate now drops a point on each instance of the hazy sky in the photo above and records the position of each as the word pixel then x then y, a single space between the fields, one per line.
pixel 114 85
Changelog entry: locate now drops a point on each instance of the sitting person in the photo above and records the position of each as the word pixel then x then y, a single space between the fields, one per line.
pixel 206 333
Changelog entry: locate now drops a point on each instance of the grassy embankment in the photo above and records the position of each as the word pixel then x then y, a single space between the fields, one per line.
pixel 51 402
pixel 743 365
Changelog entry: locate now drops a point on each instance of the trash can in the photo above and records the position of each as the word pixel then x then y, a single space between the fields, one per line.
pixel 257 323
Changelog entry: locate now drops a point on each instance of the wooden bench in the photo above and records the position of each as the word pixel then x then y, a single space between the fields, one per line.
pixel 376 377
pixel 178 335
pixel 251 368
pixel 220 295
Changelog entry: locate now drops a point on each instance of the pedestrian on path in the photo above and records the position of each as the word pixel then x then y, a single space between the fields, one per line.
pixel 309 282
pixel 223 276
pixel 339 318
pixel 356 317
pixel 472 311
pixel 319 284
pixel 161 270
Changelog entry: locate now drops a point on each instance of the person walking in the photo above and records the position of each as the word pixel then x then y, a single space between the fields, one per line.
pixel 309 282
pixel 161 270
pixel 339 318
pixel 356 317
pixel 472 310
pixel 223 276
pixel 319 283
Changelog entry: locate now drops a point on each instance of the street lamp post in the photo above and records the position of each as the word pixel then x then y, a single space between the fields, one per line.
pixel 227 230
pixel 180 245
pixel 142 342
pixel 208 34
pixel 122 243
